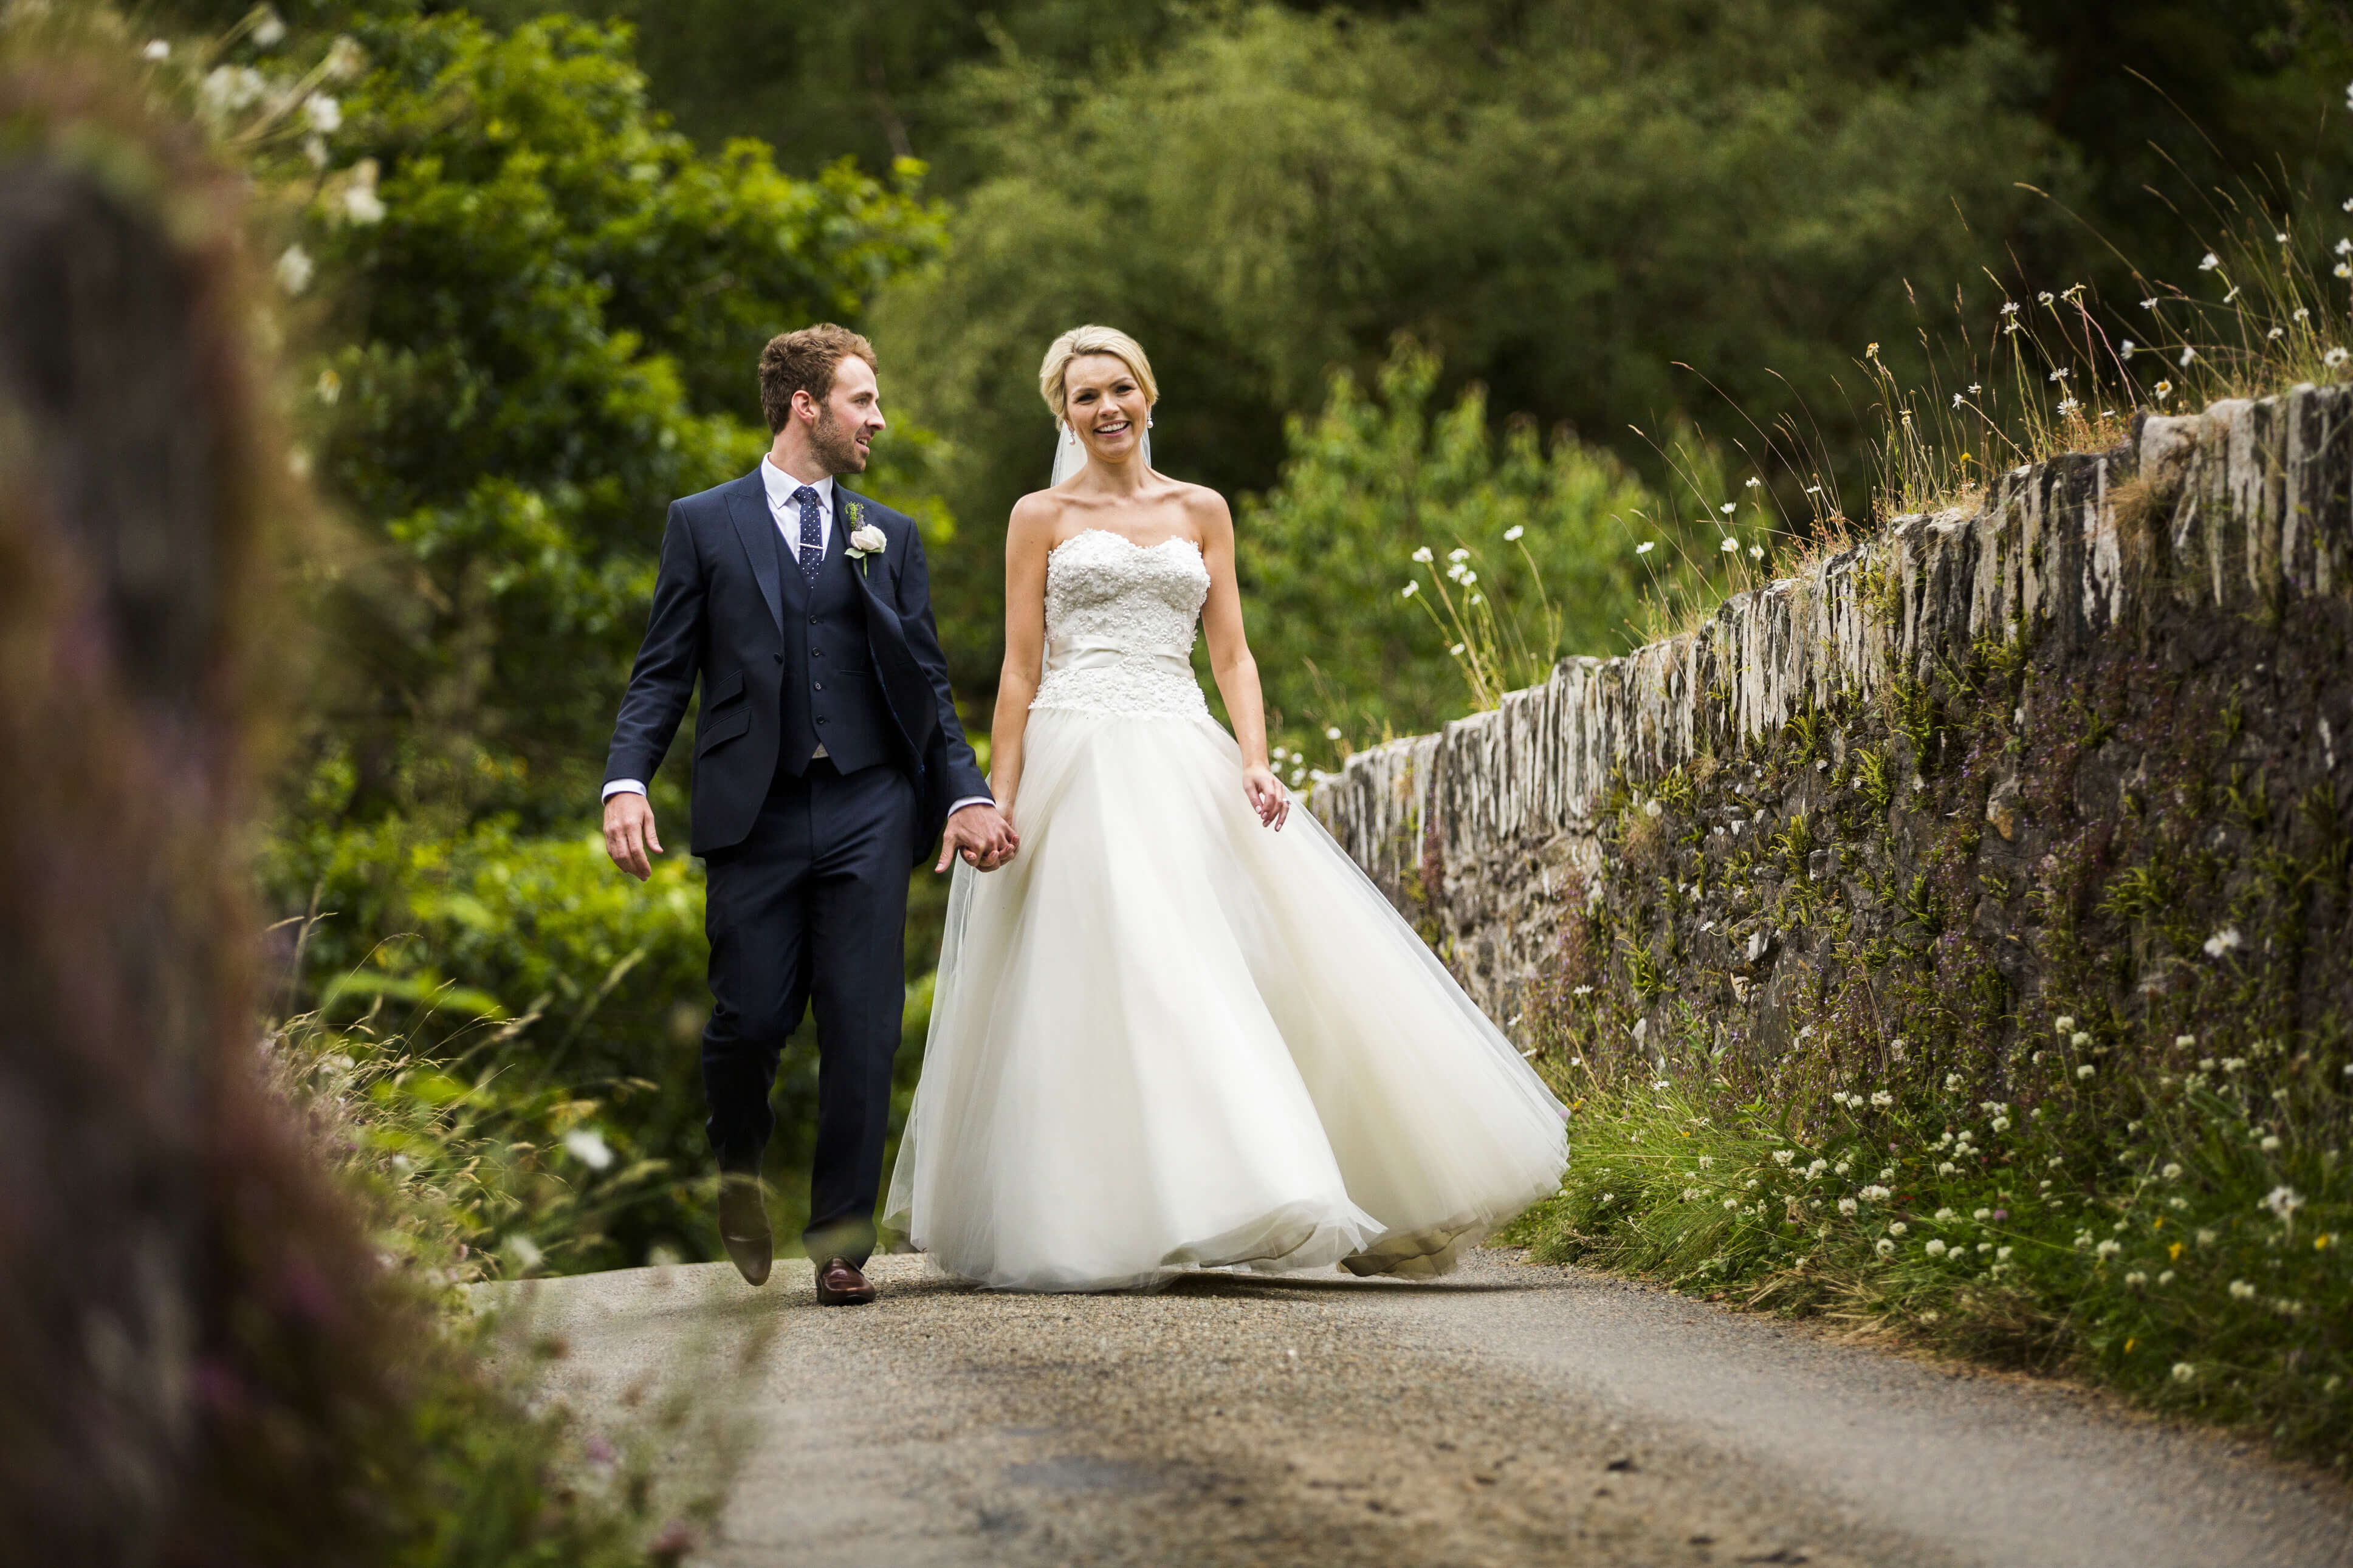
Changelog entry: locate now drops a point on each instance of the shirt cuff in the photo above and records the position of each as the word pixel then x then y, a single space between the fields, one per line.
pixel 972 800
pixel 624 786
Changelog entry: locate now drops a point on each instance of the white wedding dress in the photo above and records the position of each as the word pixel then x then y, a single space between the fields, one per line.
pixel 1166 1037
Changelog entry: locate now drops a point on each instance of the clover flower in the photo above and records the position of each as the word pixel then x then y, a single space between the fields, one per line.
pixel 2284 1202
pixel 1944 1216
pixel 2001 1123
pixel 1783 1156
pixel 2184 1372
pixel 2108 1248
pixel 1885 1247
pixel 2241 1291
pixel 1875 1193
pixel 1881 1098
pixel 2172 1172
pixel 1817 1168
pixel 1936 1249
pixel 2333 358
pixel 1843 1167
pixel 1899 1228
pixel 2166 1277
pixel 2087 1070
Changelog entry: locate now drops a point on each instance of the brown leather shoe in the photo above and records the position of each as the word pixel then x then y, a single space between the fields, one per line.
pixel 743 1227
pixel 840 1284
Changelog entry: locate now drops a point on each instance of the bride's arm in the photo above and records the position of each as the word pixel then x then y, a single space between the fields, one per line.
pixel 1229 658
pixel 1027 538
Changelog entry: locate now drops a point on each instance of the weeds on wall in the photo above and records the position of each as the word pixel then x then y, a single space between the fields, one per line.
pixel 2008 1011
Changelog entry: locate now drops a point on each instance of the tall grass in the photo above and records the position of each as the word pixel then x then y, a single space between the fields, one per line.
pixel 462 1189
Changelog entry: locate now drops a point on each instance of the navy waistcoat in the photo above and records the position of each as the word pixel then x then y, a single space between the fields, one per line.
pixel 828 695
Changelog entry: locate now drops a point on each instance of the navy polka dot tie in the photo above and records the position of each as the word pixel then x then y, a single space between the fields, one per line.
pixel 812 534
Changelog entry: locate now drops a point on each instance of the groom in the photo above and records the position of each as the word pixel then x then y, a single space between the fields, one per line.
pixel 826 756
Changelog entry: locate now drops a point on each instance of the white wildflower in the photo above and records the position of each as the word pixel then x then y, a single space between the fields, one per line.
pixel 1881 1098
pixel 2333 358
pixel 2087 1070
pixel 587 1145
pixel 157 49
pixel 1936 1249
pixel 1410 590
pixel 324 114
pixel 269 31
pixel 1899 1228
pixel 2129 348
pixel 2223 941
pixel 2002 1254
pixel 1846 1205
pixel 2208 262
pixel 1944 1216
pixel 2241 1291
pixel 2172 1172
pixel 2184 1372
pixel 1513 532
pixel 1422 555
pixel 1731 547
pixel 2001 1123
pixel 1783 1156
pixel 1885 1247
pixel 2188 354
pixel 1875 1193
pixel 2108 1248
pixel 2284 1202
pixel 2270 1145
pixel 294 269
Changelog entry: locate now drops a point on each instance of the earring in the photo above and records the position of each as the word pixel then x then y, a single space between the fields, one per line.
pixel 1147 422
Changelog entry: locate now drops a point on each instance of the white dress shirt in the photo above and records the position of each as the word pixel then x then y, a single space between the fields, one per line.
pixel 780 486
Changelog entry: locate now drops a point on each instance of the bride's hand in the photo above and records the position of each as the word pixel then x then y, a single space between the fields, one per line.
pixel 1267 795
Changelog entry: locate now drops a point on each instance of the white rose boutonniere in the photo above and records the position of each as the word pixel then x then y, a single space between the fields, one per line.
pixel 865 538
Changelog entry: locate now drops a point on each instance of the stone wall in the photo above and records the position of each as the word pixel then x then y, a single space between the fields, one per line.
pixel 1949 735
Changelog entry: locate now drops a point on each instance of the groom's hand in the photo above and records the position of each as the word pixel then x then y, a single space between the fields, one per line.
pixel 629 833
pixel 981 834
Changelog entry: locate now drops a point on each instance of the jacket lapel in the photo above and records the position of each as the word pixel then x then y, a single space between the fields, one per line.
pixel 748 509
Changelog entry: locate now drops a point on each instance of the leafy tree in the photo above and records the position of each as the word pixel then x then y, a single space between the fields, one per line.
pixel 1374 482
pixel 536 310
pixel 547 306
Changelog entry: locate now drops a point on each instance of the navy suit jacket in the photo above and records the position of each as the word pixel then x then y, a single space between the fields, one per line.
pixel 718 615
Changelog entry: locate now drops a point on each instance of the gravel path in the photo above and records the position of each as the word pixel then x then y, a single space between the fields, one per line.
pixel 1510 1414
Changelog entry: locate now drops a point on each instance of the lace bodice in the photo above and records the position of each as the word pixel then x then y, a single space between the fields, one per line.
pixel 1119 619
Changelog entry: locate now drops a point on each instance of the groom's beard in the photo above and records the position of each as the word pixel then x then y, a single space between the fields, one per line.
pixel 835 447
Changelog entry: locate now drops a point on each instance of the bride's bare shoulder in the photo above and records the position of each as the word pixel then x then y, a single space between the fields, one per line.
pixel 1205 508
pixel 1037 516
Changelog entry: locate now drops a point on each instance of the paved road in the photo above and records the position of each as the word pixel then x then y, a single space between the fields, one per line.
pixel 1510 1414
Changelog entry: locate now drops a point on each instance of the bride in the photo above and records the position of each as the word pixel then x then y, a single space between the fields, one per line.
pixel 1180 1030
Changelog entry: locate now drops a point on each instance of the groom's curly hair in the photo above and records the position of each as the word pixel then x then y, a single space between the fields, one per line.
pixel 804 361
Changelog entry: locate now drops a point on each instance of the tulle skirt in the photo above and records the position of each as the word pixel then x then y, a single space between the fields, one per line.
pixel 1166 1037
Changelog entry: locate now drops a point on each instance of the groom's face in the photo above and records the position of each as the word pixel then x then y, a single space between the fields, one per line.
pixel 849 419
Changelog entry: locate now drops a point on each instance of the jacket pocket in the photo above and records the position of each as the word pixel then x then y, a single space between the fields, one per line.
pixel 721 727
pixel 728 688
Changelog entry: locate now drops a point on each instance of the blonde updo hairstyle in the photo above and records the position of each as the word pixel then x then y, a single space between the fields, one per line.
pixel 1054 373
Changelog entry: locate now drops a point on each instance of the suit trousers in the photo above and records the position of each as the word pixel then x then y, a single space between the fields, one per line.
pixel 811 906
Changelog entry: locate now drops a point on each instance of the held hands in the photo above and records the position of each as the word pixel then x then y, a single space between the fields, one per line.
pixel 1267 795
pixel 629 833
pixel 982 835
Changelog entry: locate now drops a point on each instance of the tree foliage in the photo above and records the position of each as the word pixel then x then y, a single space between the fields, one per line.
pixel 547 309
pixel 1376 481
